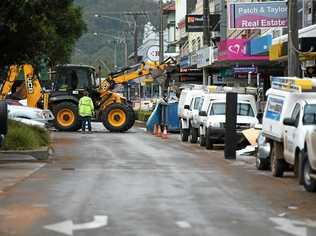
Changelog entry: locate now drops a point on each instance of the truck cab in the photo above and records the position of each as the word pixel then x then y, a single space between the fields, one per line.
pixel 289 125
pixel 299 137
pixel 213 127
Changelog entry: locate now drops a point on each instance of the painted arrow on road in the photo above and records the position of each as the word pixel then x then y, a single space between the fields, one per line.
pixel 294 227
pixel 67 227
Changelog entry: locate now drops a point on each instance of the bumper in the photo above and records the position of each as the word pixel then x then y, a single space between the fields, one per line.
pixel 217 135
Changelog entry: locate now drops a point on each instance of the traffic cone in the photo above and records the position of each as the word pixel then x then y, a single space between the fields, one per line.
pixel 164 133
pixel 155 129
pixel 158 131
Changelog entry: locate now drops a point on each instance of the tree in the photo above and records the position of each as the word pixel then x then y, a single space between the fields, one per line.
pixel 33 29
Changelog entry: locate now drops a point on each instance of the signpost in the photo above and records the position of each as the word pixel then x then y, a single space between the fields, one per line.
pixel 258 15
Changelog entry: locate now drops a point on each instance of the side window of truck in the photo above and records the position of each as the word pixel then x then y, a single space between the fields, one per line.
pixel 197 103
pixel 201 104
pixel 191 104
pixel 296 113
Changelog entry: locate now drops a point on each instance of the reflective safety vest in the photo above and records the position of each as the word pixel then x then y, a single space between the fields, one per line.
pixel 86 107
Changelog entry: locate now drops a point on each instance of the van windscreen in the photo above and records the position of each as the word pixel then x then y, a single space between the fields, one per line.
pixel 243 109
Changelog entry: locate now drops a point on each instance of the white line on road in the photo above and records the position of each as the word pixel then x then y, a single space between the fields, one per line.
pixel 183 224
pixel 67 227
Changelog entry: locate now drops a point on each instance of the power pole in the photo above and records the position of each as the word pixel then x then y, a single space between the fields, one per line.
pixel 293 60
pixel 206 33
pixel 161 43
pixel 125 50
pixel 135 15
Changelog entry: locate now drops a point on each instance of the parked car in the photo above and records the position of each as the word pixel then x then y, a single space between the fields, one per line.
pixel 213 127
pixel 188 104
pixel 29 115
pixel 263 153
pixel 3 120
pixel 289 123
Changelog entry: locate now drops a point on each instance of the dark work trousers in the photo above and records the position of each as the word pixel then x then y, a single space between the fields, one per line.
pixel 86 121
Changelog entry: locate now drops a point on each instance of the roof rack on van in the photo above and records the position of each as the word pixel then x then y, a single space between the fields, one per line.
pixel 293 84
pixel 194 87
pixel 239 90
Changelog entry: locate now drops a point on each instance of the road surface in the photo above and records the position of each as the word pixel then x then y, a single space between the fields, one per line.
pixel 137 184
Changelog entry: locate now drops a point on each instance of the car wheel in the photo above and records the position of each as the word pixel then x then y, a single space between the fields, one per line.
pixel 193 135
pixel 300 167
pixel 3 117
pixel 208 141
pixel 262 164
pixel 202 140
pixel 184 133
pixel 309 181
pixel 278 165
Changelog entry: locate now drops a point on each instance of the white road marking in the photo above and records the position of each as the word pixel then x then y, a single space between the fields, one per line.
pixel 67 227
pixel 293 227
pixel 183 224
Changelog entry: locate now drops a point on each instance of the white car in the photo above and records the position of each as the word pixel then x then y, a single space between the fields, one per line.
pixel 188 105
pixel 29 115
pixel 213 127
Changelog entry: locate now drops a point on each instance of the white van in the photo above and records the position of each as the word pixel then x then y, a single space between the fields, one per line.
pixel 289 125
pixel 213 127
pixel 189 101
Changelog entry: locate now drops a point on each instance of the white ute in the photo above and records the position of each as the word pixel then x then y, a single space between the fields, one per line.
pixel 188 107
pixel 289 125
pixel 212 129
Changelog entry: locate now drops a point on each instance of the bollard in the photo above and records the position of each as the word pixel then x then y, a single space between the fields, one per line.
pixel 230 126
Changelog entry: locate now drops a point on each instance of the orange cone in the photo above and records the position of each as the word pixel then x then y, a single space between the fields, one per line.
pixel 158 131
pixel 155 129
pixel 165 133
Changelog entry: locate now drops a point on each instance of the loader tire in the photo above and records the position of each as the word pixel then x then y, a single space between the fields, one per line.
pixel 3 117
pixel 132 117
pixel 66 116
pixel 117 117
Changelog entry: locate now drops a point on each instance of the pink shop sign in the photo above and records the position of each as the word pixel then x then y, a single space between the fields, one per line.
pixel 236 50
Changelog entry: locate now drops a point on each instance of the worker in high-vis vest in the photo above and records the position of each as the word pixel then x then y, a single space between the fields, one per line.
pixel 86 111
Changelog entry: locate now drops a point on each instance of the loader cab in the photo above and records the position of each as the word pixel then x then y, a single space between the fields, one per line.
pixel 73 79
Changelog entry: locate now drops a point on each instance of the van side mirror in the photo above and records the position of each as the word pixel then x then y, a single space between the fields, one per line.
pixel 202 113
pixel 186 107
pixel 289 122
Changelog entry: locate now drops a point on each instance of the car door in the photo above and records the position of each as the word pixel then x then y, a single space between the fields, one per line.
pixel 195 111
pixel 290 133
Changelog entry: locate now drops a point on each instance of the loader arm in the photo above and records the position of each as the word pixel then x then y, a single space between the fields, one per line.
pixel 33 89
pixel 146 68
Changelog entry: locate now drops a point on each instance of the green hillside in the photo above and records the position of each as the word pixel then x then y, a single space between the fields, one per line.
pixel 92 47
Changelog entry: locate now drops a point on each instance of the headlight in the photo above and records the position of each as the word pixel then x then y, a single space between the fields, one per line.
pixel 39 114
pixel 215 124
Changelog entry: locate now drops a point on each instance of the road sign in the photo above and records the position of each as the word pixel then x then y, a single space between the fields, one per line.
pixel 153 53
pixel 194 23
pixel 68 227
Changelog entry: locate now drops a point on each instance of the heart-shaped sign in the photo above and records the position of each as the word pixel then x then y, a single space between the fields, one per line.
pixel 234 48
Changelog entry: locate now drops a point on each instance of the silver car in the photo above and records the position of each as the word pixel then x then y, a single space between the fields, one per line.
pixel 263 154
